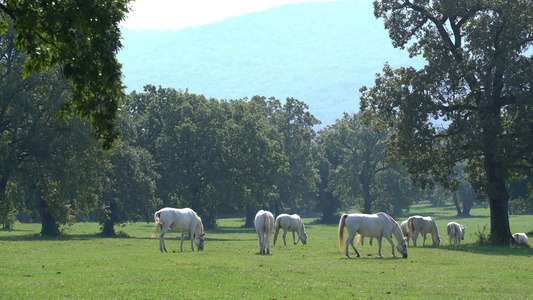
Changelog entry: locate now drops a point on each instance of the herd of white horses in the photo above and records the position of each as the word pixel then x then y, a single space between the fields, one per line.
pixel 378 226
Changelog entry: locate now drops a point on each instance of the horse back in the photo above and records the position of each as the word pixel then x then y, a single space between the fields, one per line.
pixel 179 219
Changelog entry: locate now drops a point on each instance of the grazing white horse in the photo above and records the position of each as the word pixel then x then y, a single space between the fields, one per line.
pixel 374 226
pixel 264 225
pixel 179 219
pixel 291 223
pixel 456 232
pixel 423 225
pixel 406 234
pixel 521 238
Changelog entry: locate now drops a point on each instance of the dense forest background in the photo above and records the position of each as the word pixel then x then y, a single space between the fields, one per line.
pixel 257 111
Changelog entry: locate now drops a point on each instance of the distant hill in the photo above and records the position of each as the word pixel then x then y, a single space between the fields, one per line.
pixel 319 53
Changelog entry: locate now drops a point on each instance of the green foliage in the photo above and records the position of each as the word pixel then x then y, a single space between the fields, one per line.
pixel 128 194
pixel 213 156
pixel 82 38
pixel 363 174
pixel 41 157
pixel 293 126
pixel 469 103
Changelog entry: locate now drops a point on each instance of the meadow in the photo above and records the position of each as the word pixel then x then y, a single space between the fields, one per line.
pixel 84 265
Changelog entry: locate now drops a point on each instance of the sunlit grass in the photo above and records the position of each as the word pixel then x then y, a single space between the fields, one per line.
pixel 83 265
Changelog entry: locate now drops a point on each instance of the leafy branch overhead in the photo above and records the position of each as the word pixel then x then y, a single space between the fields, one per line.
pixel 82 37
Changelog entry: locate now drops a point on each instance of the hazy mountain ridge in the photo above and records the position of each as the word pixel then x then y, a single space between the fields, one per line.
pixel 319 53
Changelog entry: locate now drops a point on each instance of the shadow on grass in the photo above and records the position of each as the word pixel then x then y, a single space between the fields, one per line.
pixel 489 249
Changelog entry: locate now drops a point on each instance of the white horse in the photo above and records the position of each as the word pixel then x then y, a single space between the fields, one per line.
pixel 184 219
pixel 406 234
pixel 521 238
pixel 291 223
pixel 264 225
pixel 423 225
pixel 374 226
pixel 456 232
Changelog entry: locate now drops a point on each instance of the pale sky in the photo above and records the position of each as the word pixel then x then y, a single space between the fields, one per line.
pixel 178 14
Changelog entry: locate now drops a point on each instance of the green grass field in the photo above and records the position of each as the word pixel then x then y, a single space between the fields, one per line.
pixel 82 265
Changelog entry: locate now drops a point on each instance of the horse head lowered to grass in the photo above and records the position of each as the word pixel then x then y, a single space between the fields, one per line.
pixel 179 219
pixel 291 223
pixel 423 225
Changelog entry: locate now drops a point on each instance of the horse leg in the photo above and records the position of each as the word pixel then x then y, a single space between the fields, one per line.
pixel 349 242
pixel 380 242
pixel 181 245
pixel 392 243
pixel 267 242
pixel 425 236
pixel 415 237
pixel 162 245
pixel 261 243
pixel 294 238
pixel 162 242
pixel 192 240
pixel 284 235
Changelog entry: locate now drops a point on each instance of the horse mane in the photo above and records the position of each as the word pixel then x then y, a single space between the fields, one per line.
pixel 396 230
pixel 303 225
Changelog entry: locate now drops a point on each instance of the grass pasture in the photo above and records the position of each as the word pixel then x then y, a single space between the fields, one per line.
pixel 83 265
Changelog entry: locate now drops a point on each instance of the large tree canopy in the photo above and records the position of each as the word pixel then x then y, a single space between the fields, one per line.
pixel 472 101
pixel 82 37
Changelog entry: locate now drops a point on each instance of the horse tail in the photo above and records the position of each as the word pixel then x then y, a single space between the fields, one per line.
pixel 276 231
pixel 268 228
pixel 360 240
pixel 451 230
pixel 158 223
pixel 410 225
pixel 342 223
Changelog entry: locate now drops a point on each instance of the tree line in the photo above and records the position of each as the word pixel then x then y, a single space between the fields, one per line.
pixel 183 150
pixel 465 115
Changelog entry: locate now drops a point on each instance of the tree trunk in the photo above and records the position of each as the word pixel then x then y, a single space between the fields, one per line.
pixel 456 203
pixel 48 222
pixel 209 221
pixel 367 198
pixel 251 210
pixel 468 202
pixel 5 207
pixel 500 231
pixel 109 228
pixel 112 219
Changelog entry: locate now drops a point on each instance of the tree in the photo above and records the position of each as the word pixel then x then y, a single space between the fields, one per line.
pixel 294 126
pixel 128 194
pixel 471 102
pixel 326 202
pixel 82 38
pixel 40 156
pixel 213 156
pixel 464 194
pixel 255 159
pixel 362 171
